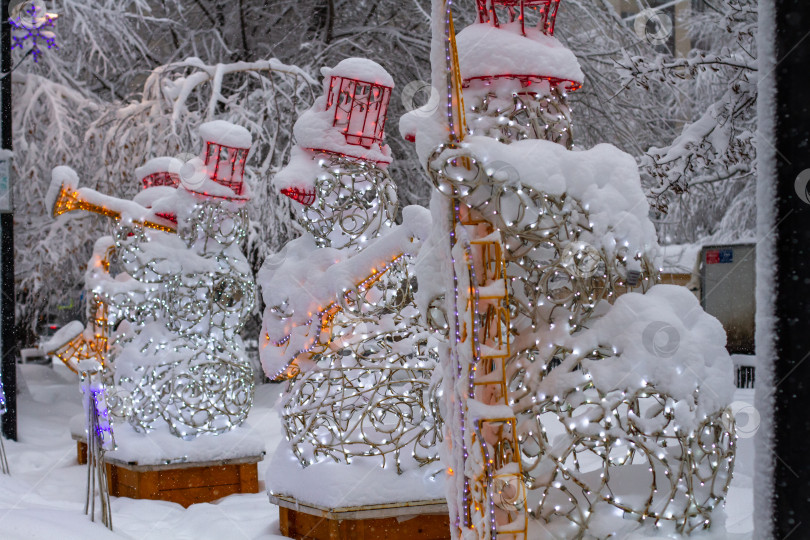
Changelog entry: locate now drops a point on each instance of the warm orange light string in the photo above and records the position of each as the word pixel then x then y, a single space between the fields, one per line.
pixel 69 201
pixel 327 315
pixel 97 348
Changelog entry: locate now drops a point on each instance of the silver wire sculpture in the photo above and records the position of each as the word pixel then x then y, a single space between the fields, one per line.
pixel 200 380
pixel 555 276
pixel 99 439
pixel 368 394
pixel 515 114
pixel 373 397
pixel 355 200
pixel 574 474
pixel 170 292
pixel 641 466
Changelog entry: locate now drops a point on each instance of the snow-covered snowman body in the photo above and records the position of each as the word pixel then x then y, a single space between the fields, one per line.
pixel 340 317
pixel 182 362
pixel 183 292
pixel 185 364
pixel 620 398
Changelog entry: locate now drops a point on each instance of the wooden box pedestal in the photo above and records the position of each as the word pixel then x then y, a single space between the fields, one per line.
pixel 81 451
pixel 184 483
pixel 422 520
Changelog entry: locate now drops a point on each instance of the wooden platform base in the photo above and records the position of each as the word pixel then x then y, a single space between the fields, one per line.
pixel 81 452
pixel 184 483
pixel 425 520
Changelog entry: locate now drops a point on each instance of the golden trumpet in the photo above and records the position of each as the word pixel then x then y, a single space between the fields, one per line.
pixel 70 200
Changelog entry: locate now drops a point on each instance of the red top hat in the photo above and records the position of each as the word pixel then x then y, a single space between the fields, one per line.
pixel 497 12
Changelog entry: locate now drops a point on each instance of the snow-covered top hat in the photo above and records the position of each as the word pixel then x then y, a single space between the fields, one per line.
pixel 220 173
pixel 347 121
pixel 514 39
pixel 160 171
pixel 357 92
pixel 496 12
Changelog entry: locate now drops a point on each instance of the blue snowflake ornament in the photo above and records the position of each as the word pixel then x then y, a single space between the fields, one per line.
pixel 34 24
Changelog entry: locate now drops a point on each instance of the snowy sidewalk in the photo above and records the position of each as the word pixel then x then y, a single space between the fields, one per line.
pixel 44 497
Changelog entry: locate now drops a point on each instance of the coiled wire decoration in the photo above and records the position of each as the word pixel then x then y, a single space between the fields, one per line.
pixel 368 391
pixel 371 394
pixel 576 473
pixel 517 115
pixel 195 302
pixel 592 455
pixel 355 200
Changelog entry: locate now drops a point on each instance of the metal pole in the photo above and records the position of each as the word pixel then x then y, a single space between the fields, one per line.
pixel 783 271
pixel 8 345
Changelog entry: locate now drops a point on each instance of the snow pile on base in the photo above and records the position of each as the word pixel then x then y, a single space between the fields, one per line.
pixel 361 483
pixel 487 51
pixel 160 447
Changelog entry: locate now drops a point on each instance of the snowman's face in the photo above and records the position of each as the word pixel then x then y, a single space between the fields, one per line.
pixel 509 111
pixel 354 202
pixel 214 226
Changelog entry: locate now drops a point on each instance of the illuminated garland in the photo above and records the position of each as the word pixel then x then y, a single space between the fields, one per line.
pixel 361 375
pixel 369 395
pixel 325 317
pixel 97 348
pixel 179 303
pixel 487 494
pixel 520 114
pixel 681 476
pixel 342 214
pixel 200 380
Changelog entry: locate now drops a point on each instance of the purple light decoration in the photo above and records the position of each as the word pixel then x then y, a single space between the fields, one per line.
pixel 34 24
pixel 98 415
pixel 2 399
pixel 103 426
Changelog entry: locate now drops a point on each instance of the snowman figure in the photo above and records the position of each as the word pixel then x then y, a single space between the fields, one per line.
pixel 340 321
pixel 184 292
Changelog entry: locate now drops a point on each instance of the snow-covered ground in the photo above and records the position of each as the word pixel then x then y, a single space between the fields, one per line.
pixel 44 496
